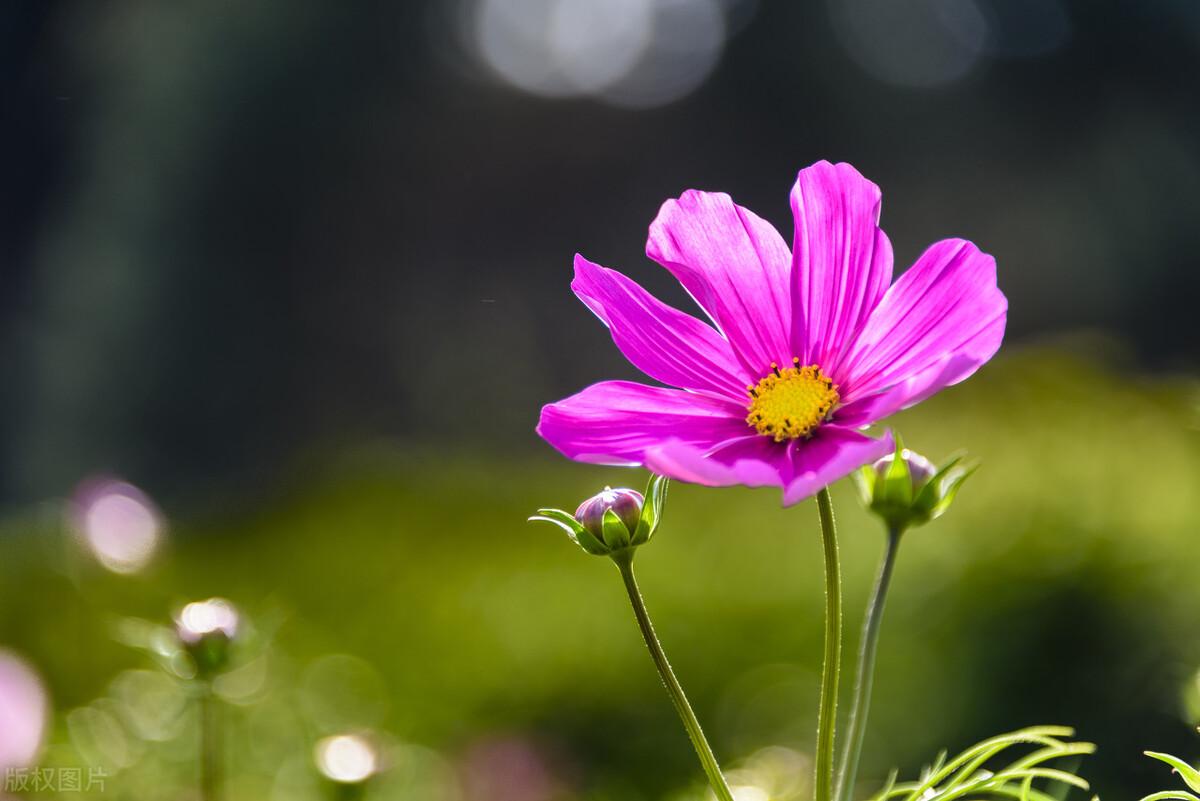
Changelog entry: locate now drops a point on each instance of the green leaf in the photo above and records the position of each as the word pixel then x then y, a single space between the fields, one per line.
pixel 951 490
pixel 864 479
pixel 579 535
pixel 652 509
pixel 616 533
pixel 558 517
pixel 928 497
pixel 1190 775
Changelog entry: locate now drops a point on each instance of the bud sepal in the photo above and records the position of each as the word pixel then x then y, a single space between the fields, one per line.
pixel 614 521
pixel 905 489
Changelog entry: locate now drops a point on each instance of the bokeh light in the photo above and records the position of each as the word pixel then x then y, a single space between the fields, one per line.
pixel 346 758
pixel 922 43
pixel 23 712
pixel 118 522
pixel 634 53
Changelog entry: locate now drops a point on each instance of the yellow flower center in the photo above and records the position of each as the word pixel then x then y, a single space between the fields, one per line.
pixel 791 403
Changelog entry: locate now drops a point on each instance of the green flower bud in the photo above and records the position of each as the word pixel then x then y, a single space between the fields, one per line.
pixel 625 503
pixel 613 522
pixel 206 629
pixel 905 489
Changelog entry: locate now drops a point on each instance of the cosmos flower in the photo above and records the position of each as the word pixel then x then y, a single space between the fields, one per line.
pixel 807 346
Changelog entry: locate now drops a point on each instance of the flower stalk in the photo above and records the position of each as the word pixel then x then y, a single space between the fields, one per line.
pixel 210 744
pixel 865 670
pixel 624 562
pixel 832 666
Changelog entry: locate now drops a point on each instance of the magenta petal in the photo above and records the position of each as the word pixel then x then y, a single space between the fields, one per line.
pixel 662 342
pixel 910 391
pixel 842 260
pixel 754 460
pixel 936 325
pixel 800 468
pixel 735 265
pixel 834 453
pixel 616 422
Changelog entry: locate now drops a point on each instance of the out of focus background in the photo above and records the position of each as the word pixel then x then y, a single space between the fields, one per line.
pixel 284 284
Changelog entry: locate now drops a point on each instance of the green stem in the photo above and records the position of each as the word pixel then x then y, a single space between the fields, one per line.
pixel 832 667
pixel 624 563
pixel 210 770
pixel 865 672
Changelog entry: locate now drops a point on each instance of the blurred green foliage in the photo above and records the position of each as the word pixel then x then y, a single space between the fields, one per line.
pixel 404 593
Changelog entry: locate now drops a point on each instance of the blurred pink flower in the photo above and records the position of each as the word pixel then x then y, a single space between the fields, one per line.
pixel 809 344
pixel 118 522
pixel 508 769
pixel 23 713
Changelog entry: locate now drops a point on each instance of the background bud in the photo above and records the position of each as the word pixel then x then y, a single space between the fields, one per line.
pixel 206 628
pixel 625 503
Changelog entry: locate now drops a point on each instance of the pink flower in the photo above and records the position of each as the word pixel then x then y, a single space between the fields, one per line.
pixel 23 714
pixel 807 347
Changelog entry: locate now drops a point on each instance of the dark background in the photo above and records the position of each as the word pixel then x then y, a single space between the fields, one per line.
pixel 228 233
pixel 300 270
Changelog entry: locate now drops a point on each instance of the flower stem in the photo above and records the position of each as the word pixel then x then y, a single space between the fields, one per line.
pixel 865 672
pixel 210 783
pixel 707 760
pixel 832 666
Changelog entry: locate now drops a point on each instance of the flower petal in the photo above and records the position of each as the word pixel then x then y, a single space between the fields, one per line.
pixel 616 422
pixel 936 325
pixel 841 261
pixel 735 265
pixel 834 453
pixel 754 460
pixel 662 342
pixel 799 467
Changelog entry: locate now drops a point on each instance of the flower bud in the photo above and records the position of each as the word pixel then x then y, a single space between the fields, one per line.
pixel 625 503
pixel 906 489
pixel 614 521
pixel 920 469
pixel 206 629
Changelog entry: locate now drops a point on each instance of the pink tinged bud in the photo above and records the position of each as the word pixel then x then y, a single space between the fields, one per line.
pixel 613 522
pixel 912 491
pixel 920 469
pixel 207 630
pixel 625 503
pixel 215 617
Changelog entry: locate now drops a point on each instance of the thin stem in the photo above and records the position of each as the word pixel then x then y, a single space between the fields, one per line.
pixel 210 769
pixel 690 723
pixel 865 673
pixel 832 667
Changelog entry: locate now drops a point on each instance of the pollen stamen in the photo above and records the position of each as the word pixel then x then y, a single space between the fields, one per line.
pixel 791 403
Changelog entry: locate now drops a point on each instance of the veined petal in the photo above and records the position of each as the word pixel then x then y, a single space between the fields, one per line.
pixel 834 453
pixel 935 326
pixel 798 467
pixel 616 422
pixel 754 461
pixel 914 389
pixel 735 265
pixel 662 342
pixel 841 260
